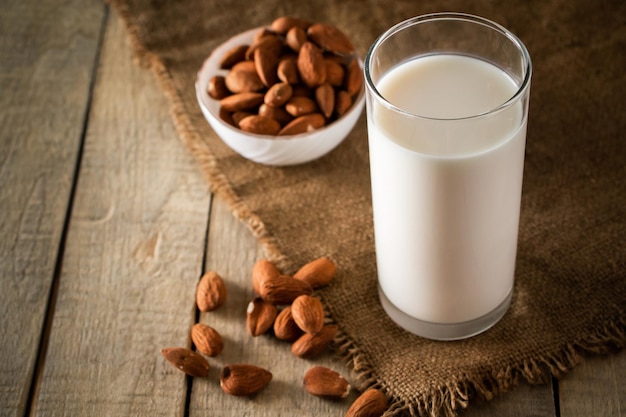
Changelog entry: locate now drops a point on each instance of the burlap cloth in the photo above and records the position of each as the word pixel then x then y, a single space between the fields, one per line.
pixel 570 292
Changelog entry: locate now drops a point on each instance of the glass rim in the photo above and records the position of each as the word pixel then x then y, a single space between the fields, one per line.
pixel 450 16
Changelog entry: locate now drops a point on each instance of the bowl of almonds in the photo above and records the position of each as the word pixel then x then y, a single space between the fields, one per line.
pixel 284 94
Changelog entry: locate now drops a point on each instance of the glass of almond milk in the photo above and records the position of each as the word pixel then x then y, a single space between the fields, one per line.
pixel 447 108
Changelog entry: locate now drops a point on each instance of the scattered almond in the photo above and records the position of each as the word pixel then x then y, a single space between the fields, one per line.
pixel 308 313
pixel 260 316
pixel 325 382
pixel 244 379
pixel 283 289
pixel 207 339
pixel 317 273
pixel 285 327
pixel 187 361
pixel 262 271
pixel 372 403
pixel 211 292
pixel 311 345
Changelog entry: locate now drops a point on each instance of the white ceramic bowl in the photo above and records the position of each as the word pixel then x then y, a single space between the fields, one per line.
pixel 265 149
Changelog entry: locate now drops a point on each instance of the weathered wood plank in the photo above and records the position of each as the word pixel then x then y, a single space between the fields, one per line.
pixel 133 254
pixel 596 387
pixel 47 55
pixel 232 252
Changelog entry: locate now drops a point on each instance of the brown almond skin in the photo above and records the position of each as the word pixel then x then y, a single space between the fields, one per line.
pixel 266 63
pixel 216 87
pixel 372 403
pixel 287 70
pixel 326 383
pixel 278 94
pixel 206 339
pixel 272 43
pixel 243 77
pixel 318 272
pixel 308 313
pixel 310 345
pixel 259 125
pixel 285 327
pixel 187 361
pixel 325 99
pixel 311 65
pixel 211 292
pixel 261 271
pixel 227 117
pixel 283 289
pixel 335 72
pixel 330 38
pixel 295 38
pixel 303 124
pixel 284 23
pixel 343 102
pixel 244 379
pixel 354 78
pixel 277 113
pixel 241 101
pixel 298 106
pixel 233 56
pixel 260 316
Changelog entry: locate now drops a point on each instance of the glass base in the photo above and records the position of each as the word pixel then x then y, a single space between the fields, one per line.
pixel 444 331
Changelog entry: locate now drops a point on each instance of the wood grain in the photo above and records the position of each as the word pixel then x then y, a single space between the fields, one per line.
pixel 47 56
pixel 232 252
pixel 597 387
pixel 133 255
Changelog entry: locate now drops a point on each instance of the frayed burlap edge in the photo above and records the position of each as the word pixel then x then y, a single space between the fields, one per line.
pixel 445 400
pixel 484 385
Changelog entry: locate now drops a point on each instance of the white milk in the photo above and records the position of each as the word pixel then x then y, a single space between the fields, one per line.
pixel 446 194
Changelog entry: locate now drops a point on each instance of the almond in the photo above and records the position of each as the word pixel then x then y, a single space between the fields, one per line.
pixel 354 78
pixel 288 70
pixel 260 316
pixel 284 23
pixel 263 270
pixel 298 106
pixel 187 361
pixel 216 88
pixel 259 125
pixel 325 382
pixel 372 403
pixel 211 292
pixel 272 43
pixel 277 113
pixel 330 38
pixel 311 345
pixel 311 65
pixel 233 56
pixel 303 124
pixel 278 94
pixel 285 327
pixel 283 289
pixel 343 102
pixel 243 77
pixel 266 63
pixel 295 38
pixel 241 101
pixel 244 379
pixel 238 116
pixel 317 273
pixel 335 72
pixel 308 313
pixel 207 339
pixel 227 117
pixel 325 98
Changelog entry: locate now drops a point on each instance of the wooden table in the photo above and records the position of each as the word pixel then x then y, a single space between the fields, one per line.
pixel 106 226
